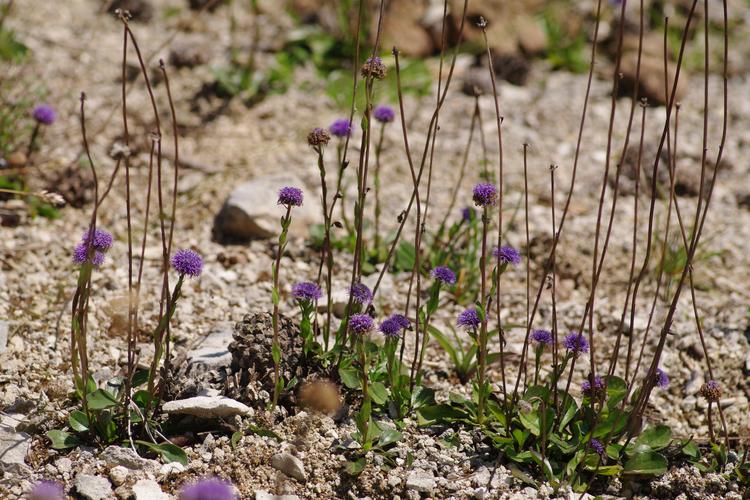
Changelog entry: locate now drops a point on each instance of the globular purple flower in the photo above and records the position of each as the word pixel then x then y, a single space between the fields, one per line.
pixel 597 446
pixel 44 114
pixel 576 343
pixel 290 196
pixel 469 318
pixel 597 388
pixel 187 263
pixel 507 255
pixel 485 194
pixel 401 320
pixel 47 490
pixel 662 379
pixel 390 328
pixel 80 255
pixel 711 390
pixel 384 114
pixel 306 291
pixel 542 337
pixel 467 214
pixel 208 489
pixel 360 294
pixel 444 275
pixel 361 323
pixel 374 68
pixel 102 239
pixel 341 127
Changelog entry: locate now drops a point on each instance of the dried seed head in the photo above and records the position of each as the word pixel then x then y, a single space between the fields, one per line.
pixel 318 137
pixel 321 396
pixel 711 390
pixel 374 68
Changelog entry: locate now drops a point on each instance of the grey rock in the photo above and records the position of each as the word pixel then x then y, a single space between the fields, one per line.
pixel 289 465
pixel 420 480
pixel 14 446
pixel 251 210
pixel 92 487
pixel 118 475
pixel 3 336
pixel 63 465
pixel 207 407
pixel 147 489
pixel 128 458
pixel 213 352
pixel 264 495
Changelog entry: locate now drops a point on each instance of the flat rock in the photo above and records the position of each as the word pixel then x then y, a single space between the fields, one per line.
pixel 14 446
pixel 147 489
pixel 92 487
pixel 420 480
pixel 251 210
pixel 128 458
pixel 207 407
pixel 3 336
pixel 213 352
pixel 289 465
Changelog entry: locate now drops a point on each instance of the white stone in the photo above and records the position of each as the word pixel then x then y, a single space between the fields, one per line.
pixel 289 465
pixel 207 407
pixel 14 446
pixel 146 489
pixel 118 475
pixel 171 468
pixel 127 457
pixel 213 352
pixel 420 480
pixel 3 335
pixel 93 487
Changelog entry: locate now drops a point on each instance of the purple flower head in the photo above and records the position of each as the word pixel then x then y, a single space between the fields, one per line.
pixel 187 263
pixel 390 328
pixel 208 489
pixel 102 239
pixel 361 323
pixel 47 490
pixel 711 390
pixel 360 293
pixel 469 318
pixel 290 196
pixel 598 386
pixel 576 343
pixel 44 114
pixel 485 194
pixel 467 214
pixel 444 275
pixel 597 446
pixel 374 68
pixel 402 320
pixel 542 337
pixel 341 127
pixel 318 137
pixel 384 114
pixel 507 255
pixel 306 291
pixel 80 255
pixel 662 379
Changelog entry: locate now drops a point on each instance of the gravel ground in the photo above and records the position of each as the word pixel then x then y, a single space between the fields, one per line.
pixel 78 49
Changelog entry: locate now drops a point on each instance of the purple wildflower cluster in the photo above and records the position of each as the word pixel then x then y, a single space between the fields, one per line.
pixel 306 291
pixel 318 137
pixel 444 275
pixel 507 255
pixel 485 194
pixel 360 294
pixel 187 263
pixel 590 390
pixel 374 68
pixel 341 127
pixel 469 318
pixel 208 489
pixel 290 196
pixel 384 114
pixel 361 323
pixel 662 379
pixel 597 446
pixel 393 325
pixel 100 243
pixel 542 337
pixel 44 114
pixel 576 343
pixel 47 490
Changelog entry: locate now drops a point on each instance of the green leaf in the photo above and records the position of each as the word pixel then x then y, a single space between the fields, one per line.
pixel 647 463
pixel 530 421
pixel 78 421
pixel 656 437
pixel 378 393
pixel 100 399
pixel 617 389
pixel 143 399
pixel 440 413
pixel 690 449
pixel 609 470
pixel 405 256
pixel 260 431
pixel 168 451
pixel 522 476
pixel 236 438
pixel 350 377
pixel 62 440
pixel 388 437
pixel 276 353
pixel 356 467
pixel 140 378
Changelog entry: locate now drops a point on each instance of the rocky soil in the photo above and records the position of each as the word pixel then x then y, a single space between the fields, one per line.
pixel 233 158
